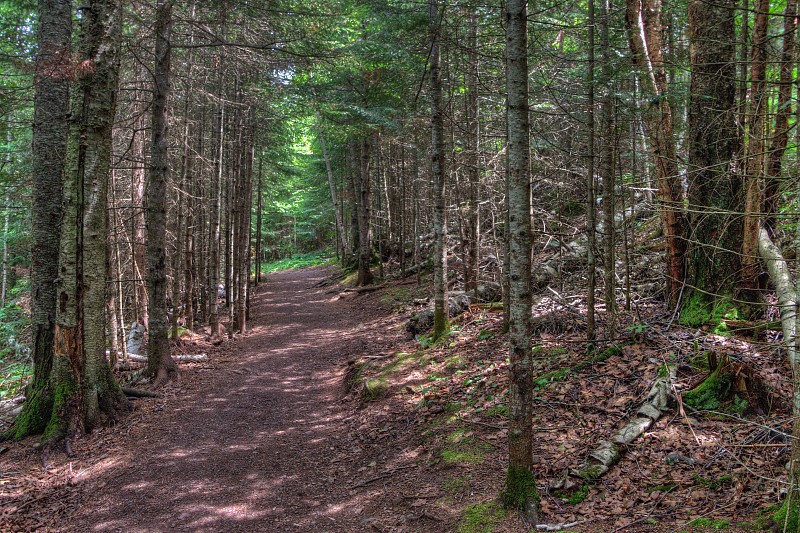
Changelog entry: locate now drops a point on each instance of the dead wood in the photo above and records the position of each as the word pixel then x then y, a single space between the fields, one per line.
pixel 139 393
pixel 609 452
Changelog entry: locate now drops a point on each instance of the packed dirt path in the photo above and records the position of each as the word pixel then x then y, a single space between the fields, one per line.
pixel 262 442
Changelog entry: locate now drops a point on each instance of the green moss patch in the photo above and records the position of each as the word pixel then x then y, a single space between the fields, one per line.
pixel 481 518
pixel 519 490
pixel 375 389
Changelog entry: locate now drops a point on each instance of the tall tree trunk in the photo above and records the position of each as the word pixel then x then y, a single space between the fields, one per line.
pixel 520 487
pixel 714 186
pixel 644 26
pixel 440 322
pixel 749 289
pixel 259 219
pixel 780 136
pixel 606 169
pixel 159 362
pixel 364 213
pixel 216 182
pixel 50 127
pixel 591 193
pixel 340 230
pixel 473 171
pixel 85 391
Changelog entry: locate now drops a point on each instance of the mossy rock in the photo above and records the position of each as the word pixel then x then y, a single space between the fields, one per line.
pixel 375 389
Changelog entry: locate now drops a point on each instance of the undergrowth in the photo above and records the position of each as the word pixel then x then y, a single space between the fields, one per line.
pixel 297 261
pixel 15 363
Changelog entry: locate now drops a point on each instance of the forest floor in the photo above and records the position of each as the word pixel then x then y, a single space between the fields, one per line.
pixel 328 416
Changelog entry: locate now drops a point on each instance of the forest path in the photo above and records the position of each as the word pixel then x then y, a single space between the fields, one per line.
pixel 263 442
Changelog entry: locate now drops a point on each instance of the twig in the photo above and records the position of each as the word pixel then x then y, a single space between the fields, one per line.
pixel 481 423
pixel 381 476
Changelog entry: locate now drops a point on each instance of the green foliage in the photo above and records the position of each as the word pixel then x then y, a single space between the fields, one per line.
pixel 318 258
pixel 481 518
pixel 485 334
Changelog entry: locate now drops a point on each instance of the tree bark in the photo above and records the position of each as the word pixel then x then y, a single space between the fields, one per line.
pixel 50 127
pixel 520 488
pixel 644 25
pixel 749 287
pixel 715 189
pixel 364 213
pixel 160 365
pixel 440 322
pixel 86 394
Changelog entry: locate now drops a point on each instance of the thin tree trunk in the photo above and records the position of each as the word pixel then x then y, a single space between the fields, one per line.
pixel 755 160
pixel 780 136
pixel 591 194
pixel 364 213
pixel 644 24
pixel 159 362
pixel 440 318
pixel 520 487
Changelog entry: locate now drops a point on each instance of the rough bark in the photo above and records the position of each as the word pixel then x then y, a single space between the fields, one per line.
pixel 160 365
pixel 440 322
pixel 715 189
pixel 50 126
pixel 471 209
pixel 520 488
pixel 754 161
pixel 644 25
pixel 86 394
pixel 364 213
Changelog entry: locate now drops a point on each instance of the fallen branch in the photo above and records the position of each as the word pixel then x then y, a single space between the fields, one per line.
pixel 556 527
pixel 178 358
pixel 609 452
pixel 381 476
pixel 138 393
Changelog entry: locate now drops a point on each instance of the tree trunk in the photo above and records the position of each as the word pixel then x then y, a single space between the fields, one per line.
pixel 749 288
pixel 473 171
pixel 440 322
pixel 520 487
pixel 364 213
pixel 780 136
pixel 644 24
pixel 160 365
pixel 714 186
pixel 50 127
pixel 85 391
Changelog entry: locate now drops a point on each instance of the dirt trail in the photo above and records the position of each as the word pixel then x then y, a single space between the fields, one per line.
pixel 261 442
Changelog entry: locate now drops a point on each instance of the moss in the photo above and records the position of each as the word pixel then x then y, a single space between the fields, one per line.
pixel 34 416
pixel 375 389
pixel 711 393
pixel 63 405
pixel 457 485
pixel 481 518
pixel 666 487
pixel 499 411
pixel 710 523
pixel 713 484
pixel 441 326
pixel 592 472
pixel 574 496
pixel 699 361
pixel 696 311
pixel 551 377
pixel 519 491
